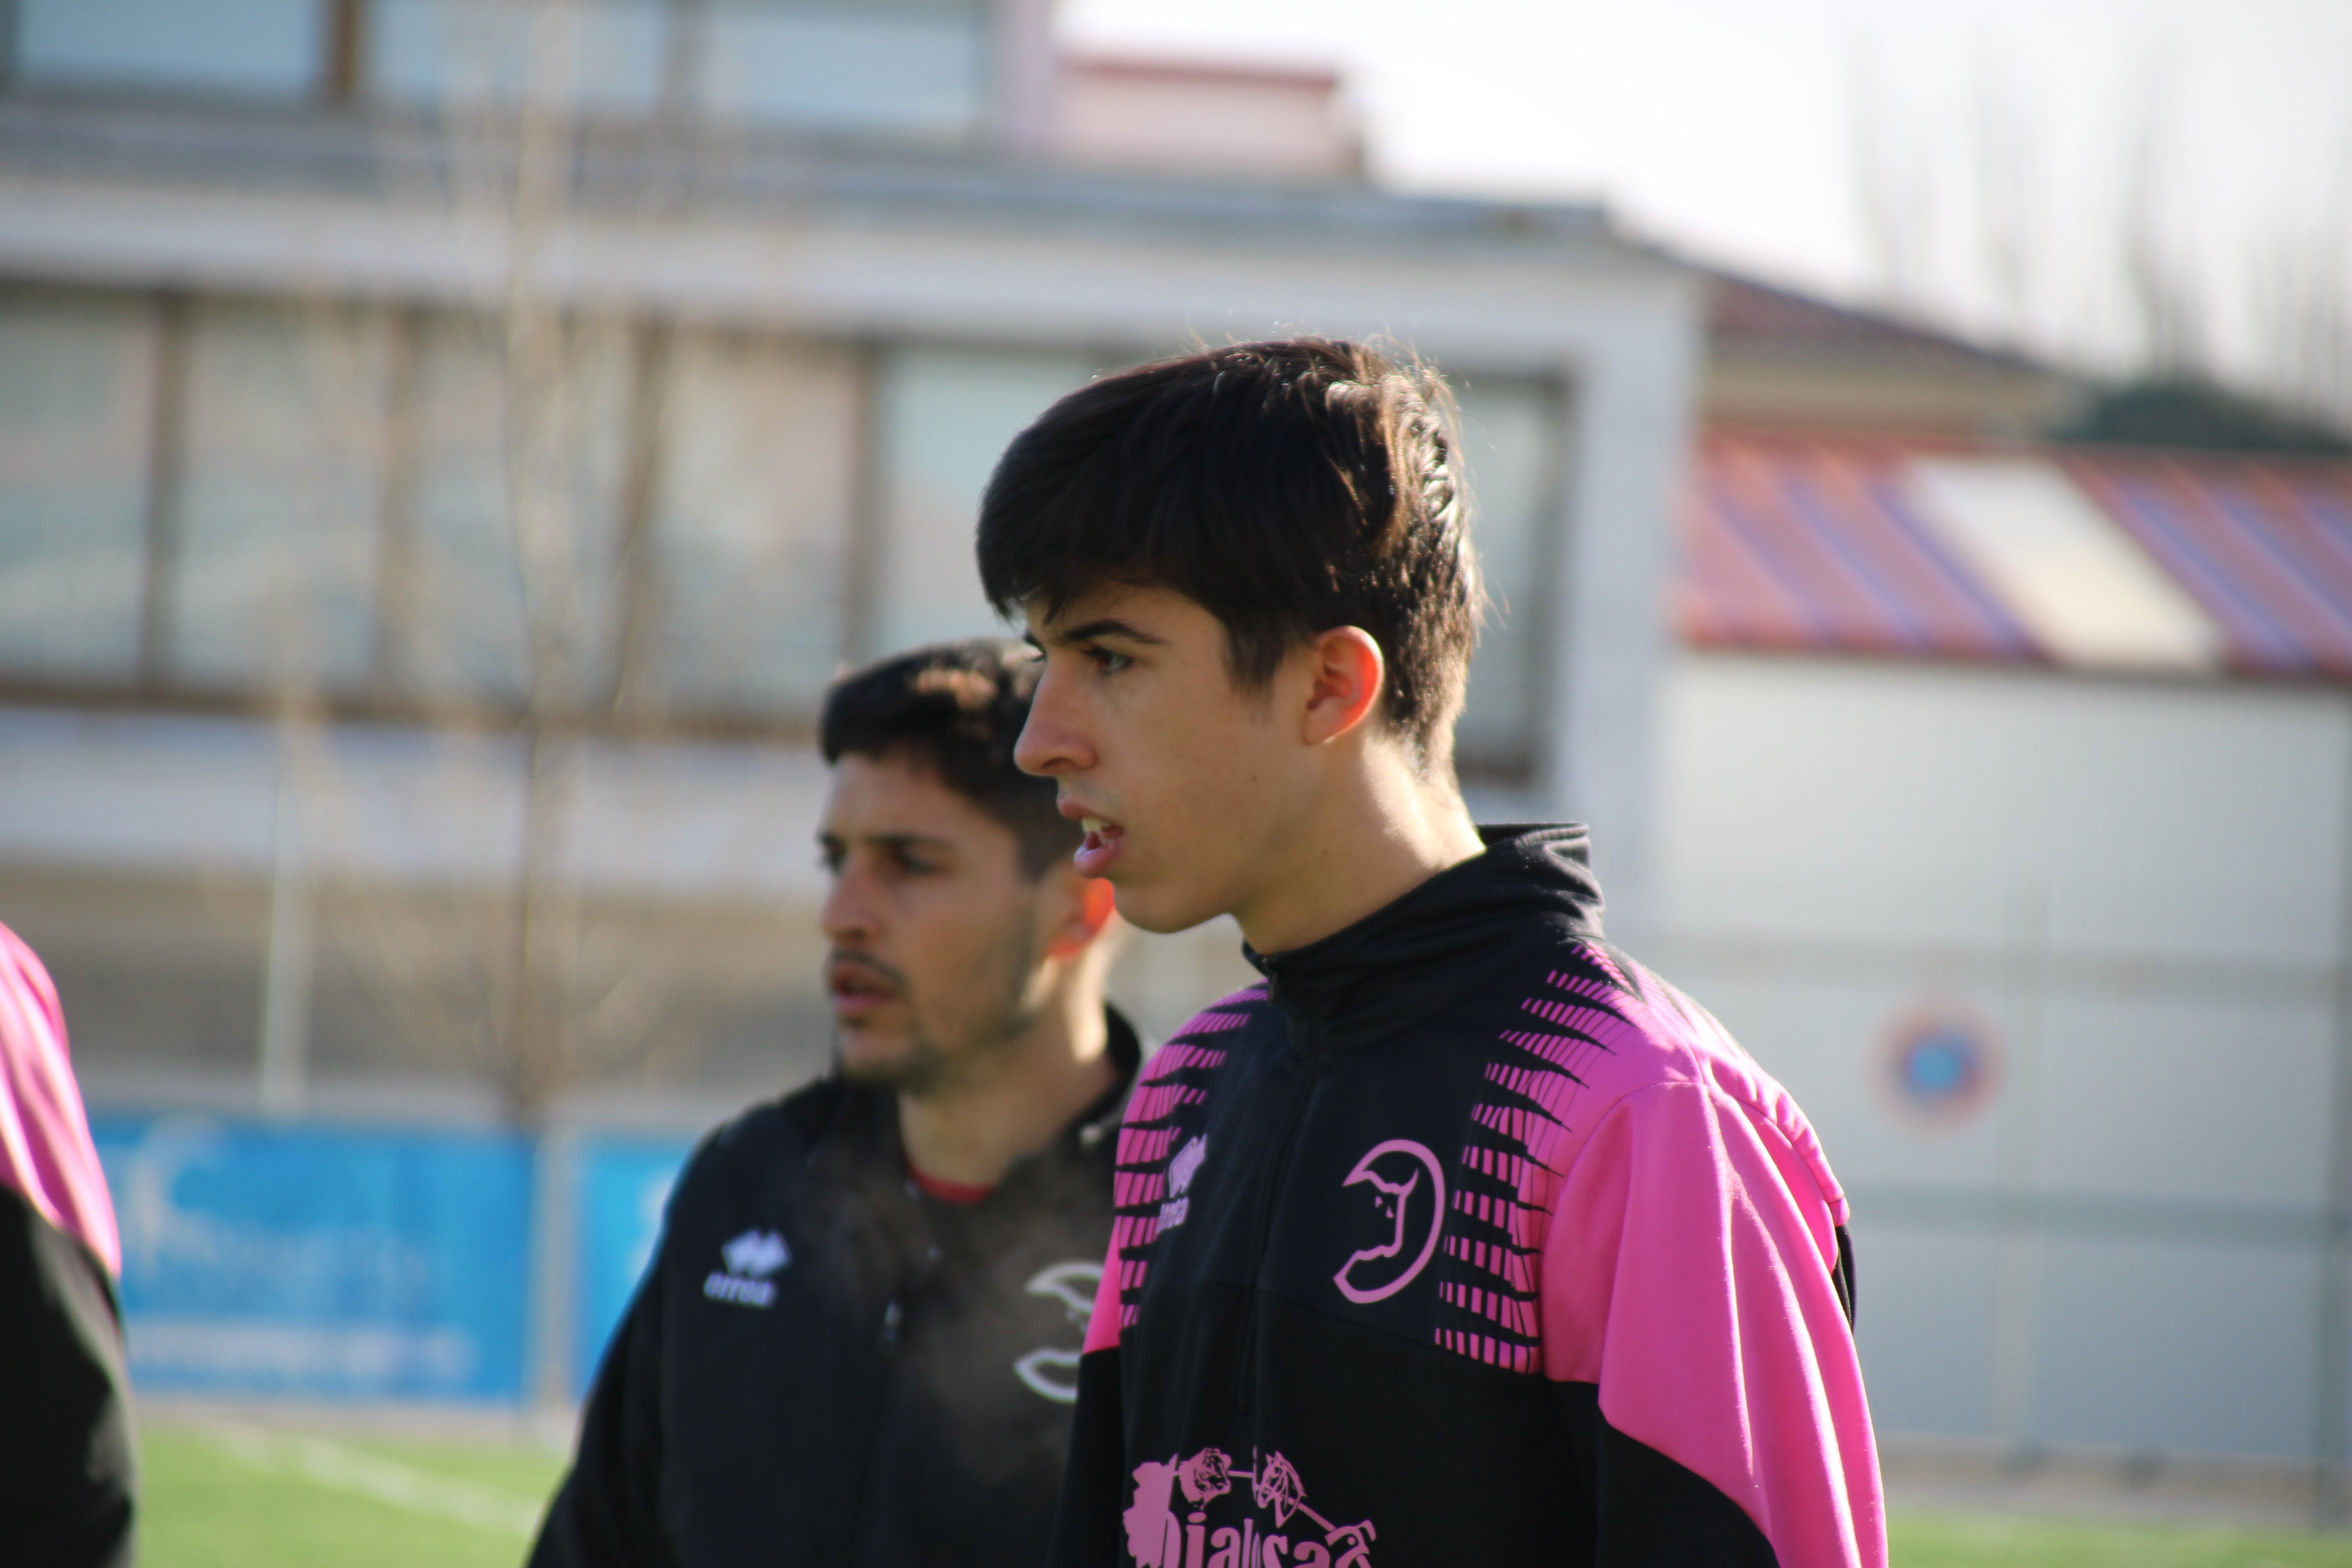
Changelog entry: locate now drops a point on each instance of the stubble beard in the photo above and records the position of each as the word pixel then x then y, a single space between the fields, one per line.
pixel 930 1067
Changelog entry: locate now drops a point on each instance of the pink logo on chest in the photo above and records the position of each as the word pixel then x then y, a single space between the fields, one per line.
pixel 1161 1533
pixel 1391 1168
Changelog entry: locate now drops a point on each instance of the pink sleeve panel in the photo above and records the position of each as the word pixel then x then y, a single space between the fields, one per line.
pixel 1102 1323
pixel 45 1151
pixel 1687 1272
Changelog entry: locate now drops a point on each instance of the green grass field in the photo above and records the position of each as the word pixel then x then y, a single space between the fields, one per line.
pixel 1918 1540
pixel 238 1497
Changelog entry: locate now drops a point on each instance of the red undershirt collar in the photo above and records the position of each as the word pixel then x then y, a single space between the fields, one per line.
pixel 948 1192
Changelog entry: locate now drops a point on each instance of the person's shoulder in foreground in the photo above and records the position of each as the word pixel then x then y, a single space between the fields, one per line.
pixel 1463 1237
pixel 68 1466
pixel 857 1339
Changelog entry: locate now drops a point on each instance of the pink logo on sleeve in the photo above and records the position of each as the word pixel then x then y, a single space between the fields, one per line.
pixel 1181 1172
pixel 1394 1178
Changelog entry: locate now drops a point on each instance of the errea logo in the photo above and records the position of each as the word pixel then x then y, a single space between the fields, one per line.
pixel 750 1258
pixel 1181 1172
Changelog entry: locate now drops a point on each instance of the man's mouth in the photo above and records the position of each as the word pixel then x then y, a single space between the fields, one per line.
pixel 859 990
pixel 1103 842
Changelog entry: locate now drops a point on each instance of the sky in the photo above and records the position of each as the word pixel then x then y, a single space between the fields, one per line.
pixel 1737 130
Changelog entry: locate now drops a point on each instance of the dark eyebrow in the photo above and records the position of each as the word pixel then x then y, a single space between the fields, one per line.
pixel 1095 631
pixel 908 840
pixel 888 840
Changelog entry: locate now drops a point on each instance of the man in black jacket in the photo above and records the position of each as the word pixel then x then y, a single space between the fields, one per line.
pixel 857 1342
pixel 1464 1239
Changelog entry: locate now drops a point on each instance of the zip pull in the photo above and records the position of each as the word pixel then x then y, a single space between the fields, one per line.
pixel 891 1317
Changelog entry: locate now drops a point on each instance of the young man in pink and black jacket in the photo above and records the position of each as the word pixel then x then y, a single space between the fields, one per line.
pixel 1463 1238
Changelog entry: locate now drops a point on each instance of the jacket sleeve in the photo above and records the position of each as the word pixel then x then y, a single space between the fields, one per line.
pixel 1093 1481
pixel 607 1514
pixel 68 1472
pixel 1693 1323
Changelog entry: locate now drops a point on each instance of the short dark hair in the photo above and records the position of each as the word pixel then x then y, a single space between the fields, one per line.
pixel 1286 487
pixel 955 710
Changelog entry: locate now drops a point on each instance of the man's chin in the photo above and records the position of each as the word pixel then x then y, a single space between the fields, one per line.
pixel 884 1060
pixel 1154 906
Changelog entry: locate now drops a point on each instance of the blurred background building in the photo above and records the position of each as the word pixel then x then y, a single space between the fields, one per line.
pixel 2007 766
pixel 456 443
pixel 446 445
pixel 450 447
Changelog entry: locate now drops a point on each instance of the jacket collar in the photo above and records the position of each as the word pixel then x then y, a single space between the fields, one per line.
pixel 1443 937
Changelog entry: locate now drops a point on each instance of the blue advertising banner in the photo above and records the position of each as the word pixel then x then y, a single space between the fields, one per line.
pixel 624 1189
pixel 317 1261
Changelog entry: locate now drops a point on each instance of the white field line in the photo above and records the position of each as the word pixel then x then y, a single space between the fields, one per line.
pixel 332 1466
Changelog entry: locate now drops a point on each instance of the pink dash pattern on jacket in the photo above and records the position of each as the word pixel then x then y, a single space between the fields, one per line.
pixel 1148 1183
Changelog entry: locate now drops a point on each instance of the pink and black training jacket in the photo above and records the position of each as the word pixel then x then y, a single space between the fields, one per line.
pixel 1466 1240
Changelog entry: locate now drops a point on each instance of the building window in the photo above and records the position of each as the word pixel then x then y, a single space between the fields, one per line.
pixel 758 465
pixel 1513 435
pixel 77 401
pixel 598 56
pixel 946 416
pixel 909 69
pixel 507 575
pixel 281 471
pixel 273 48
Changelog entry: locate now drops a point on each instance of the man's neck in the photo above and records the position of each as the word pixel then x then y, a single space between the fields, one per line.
pixel 1378 832
pixel 973 1130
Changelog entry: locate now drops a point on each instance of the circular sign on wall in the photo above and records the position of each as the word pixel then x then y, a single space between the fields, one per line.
pixel 1942 1063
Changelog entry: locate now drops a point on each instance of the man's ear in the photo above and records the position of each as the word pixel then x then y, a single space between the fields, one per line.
pixel 1095 908
pixel 1346 677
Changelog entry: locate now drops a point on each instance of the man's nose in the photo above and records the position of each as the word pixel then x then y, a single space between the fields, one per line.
pixel 1050 743
pixel 847 916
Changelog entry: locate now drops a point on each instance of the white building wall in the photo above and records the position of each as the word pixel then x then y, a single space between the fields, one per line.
pixel 2142 887
pixel 1615 327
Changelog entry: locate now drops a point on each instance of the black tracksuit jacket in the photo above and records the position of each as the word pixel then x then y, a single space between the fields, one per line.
pixel 68 1469
pixel 1466 1241
pixel 824 1366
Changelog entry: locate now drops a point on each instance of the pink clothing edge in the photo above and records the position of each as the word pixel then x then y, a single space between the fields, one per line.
pixel 1687 1273
pixel 1102 1323
pixel 46 1150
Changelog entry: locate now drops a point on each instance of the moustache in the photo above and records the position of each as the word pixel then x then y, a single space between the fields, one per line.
pixel 843 969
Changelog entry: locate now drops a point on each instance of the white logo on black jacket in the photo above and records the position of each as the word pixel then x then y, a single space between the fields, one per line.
pixel 750 1258
pixel 1049 1370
